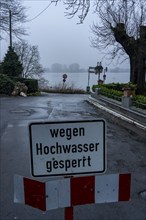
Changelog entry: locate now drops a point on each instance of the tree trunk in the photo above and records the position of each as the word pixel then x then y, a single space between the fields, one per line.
pixel 137 73
pixel 133 69
pixel 136 50
pixel 141 76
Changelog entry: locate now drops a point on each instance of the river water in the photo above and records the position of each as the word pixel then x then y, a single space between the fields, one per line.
pixel 80 80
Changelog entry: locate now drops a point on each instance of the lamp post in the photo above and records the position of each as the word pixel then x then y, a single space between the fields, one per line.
pixel 11 14
pixel 104 75
pixel 8 6
pixel 10 27
pixel 98 70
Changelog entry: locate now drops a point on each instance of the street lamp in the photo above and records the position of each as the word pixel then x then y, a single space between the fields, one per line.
pixel 104 75
pixel 98 70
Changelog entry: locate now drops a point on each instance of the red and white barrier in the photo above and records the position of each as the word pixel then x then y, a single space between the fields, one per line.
pixel 69 192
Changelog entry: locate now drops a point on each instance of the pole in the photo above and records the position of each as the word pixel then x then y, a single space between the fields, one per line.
pixel 88 77
pixel 10 27
pixel 69 213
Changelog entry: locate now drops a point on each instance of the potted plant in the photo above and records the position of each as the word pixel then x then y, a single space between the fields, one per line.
pixel 100 82
pixel 129 89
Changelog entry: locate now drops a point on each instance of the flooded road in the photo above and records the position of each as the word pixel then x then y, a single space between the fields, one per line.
pixel 126 153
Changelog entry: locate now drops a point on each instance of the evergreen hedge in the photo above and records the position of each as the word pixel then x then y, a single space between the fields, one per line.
pixel 32 84
pixel 11 66
pixel 6 85
pixel 115 91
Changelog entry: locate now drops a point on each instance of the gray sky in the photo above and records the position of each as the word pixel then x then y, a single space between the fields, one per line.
pixel 59 39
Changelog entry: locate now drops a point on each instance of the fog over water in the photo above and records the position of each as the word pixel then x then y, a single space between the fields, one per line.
pixel 80 80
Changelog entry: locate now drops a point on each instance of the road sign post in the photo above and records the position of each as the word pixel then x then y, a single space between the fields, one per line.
pixel 64 78
pixel 67 148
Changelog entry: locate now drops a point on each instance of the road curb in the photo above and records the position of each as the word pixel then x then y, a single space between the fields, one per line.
pixel 120 119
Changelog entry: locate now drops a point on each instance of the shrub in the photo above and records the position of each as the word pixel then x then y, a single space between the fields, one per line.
pixel 32 84
pixel 6 85
pixel 38 93
pixel 108 91
pixel 115 86
pixel 67 89
pixel 118 86
pixel 141 98
pixel 140 101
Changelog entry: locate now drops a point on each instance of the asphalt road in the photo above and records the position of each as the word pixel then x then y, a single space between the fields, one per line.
pixel 126 152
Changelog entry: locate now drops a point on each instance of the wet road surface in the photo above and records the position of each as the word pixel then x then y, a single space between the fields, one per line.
pixel 126 152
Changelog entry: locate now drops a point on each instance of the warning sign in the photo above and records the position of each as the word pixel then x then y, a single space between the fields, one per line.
pixel 67 147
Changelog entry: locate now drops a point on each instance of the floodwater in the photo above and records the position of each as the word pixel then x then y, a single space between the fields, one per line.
pixel 82 80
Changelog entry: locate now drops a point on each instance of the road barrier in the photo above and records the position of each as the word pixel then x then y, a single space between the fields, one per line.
pixel 69 192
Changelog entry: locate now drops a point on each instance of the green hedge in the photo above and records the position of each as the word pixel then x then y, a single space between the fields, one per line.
pixel 140 101
pixel 32 84
pixel 115 86
pixel 118 86
pixel 107 90
pixel 6 85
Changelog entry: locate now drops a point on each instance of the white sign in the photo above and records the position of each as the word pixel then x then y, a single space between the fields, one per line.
pixel 67 147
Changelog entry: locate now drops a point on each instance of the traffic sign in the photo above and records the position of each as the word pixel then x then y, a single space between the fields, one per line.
pixel 91 69
pixel 64 76
pixel 67 147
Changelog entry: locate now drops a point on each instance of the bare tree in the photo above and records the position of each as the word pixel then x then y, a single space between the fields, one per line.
pixel 73 7
pixel 79 7
pixel 121 30
pixel 29 57
pixel 12 15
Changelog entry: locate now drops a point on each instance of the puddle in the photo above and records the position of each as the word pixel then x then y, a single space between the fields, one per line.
pixel 19 111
